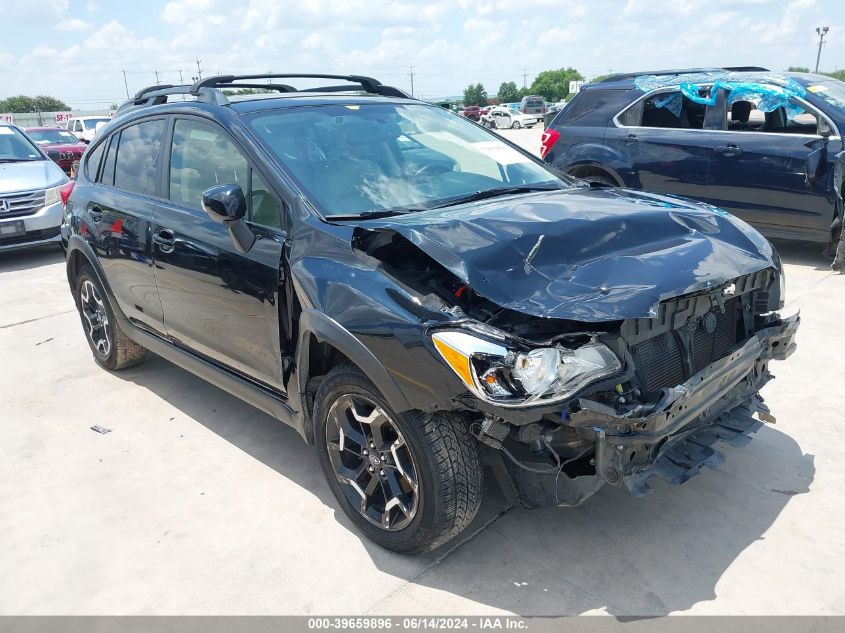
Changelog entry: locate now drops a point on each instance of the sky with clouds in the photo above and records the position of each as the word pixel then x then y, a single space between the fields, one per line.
pixel 77 49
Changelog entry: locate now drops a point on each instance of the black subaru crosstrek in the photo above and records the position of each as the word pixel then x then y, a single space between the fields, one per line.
pixel 421 299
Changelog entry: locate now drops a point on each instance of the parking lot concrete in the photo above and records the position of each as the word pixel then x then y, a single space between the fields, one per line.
pixel 196 503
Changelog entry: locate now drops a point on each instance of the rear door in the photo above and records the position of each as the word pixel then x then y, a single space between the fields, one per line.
pixel 119 212
pixel 658 144
pixel 757 168
pixel 218 302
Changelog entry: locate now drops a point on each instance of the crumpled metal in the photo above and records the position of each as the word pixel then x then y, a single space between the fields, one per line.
pixel 767 91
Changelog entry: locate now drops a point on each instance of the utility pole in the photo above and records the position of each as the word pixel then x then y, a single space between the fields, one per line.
pixel 180 77
pixel 157 81
pixel 199 68
pixel 125 84
pixel 525 77
pixel 411 75
pixel 822 31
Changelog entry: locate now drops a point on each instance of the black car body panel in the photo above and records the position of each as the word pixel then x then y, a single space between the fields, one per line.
pixel 676 291
pixel 585 254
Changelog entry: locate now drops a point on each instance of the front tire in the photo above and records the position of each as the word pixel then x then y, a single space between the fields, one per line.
pixel 410 481
pixel 112 349
pixel 516 125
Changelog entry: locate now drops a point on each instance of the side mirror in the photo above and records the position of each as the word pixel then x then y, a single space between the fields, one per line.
pixel 816 162
pixel 227 204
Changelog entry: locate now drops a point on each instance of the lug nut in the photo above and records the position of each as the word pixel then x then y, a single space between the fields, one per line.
pixel 381 472
pixel 371 469
pixel 366 452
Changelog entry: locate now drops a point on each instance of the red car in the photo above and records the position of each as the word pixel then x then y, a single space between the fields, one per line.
pixel 62 146
pixel 472 112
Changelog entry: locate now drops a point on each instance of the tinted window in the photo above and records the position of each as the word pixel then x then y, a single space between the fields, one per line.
pixel 137 154
pixel 107 175
pixel 586 102
pixel 92 160
pixel 203 156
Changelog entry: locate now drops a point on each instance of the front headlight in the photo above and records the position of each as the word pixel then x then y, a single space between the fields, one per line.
pixel 518 378
pixel 52 196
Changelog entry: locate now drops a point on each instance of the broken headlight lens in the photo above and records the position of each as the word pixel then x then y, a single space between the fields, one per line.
pixel 514 378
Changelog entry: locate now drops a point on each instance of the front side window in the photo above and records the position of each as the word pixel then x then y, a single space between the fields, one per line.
pixel 202 156
pixel 137 157
pixel 793 118
pixel 351 159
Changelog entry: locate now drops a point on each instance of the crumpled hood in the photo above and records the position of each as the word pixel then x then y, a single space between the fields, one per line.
pixel 30 174
pixel 585 254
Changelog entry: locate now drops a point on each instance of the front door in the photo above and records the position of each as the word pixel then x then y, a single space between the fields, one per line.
pixel 757 169
pixel 217 301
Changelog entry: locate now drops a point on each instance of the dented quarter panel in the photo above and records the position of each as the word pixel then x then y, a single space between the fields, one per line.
pixel 585 254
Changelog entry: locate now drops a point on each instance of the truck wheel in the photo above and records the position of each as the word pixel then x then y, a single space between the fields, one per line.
pixel 112 349
pixel 409 481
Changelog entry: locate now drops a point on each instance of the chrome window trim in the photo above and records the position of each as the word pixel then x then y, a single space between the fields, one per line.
pixel 807 105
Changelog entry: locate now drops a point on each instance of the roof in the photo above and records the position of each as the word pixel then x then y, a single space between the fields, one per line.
pixel 627 81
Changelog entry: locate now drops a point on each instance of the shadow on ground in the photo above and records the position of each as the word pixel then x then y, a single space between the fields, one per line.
pixel 810 254
pixel 647 556
pixel 12 261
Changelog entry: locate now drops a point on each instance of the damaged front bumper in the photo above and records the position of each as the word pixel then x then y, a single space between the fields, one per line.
pixel 674 441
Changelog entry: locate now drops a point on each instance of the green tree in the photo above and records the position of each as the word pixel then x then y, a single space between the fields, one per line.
pixel 553 85
pixel 836 74
pixel 40 103
pixel 797 69
pixel 508 92
pixel 475 94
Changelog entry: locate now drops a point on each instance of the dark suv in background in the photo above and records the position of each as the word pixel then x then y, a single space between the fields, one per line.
pixel 761 145
pixel 420 298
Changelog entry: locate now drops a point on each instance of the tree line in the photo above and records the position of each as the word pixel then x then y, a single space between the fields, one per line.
pixel 40 103
pixel 552 85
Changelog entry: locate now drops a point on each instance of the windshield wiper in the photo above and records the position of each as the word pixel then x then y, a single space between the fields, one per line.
pixel 374 214
pixel 18 160
pixel 495 193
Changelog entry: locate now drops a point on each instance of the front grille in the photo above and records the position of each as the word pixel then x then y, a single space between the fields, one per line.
pixel 13 205
pixel 660 360
pixel 30 236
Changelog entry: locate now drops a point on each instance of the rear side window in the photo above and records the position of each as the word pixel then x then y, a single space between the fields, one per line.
pixel 585 103
pixel 137 156
pixel 92 162
pixel 107 173
pixel 672 110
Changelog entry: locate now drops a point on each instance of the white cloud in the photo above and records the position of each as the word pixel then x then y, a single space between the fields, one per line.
pixel 73 24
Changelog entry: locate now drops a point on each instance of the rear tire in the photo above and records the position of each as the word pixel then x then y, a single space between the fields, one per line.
pixel 364 464
pixel 112 349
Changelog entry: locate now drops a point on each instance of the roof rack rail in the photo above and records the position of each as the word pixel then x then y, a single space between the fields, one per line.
pixel 685 71
pixel 210 89
pixel 368 84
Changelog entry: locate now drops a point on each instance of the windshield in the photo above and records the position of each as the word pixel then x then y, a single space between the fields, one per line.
pixel 90 124
pixel 43 137
pixel 14 146
pixel 832 91
pixel 353 159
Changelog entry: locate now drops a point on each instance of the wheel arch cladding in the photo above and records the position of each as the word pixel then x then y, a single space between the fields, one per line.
pixel 333 344
pixel 79 254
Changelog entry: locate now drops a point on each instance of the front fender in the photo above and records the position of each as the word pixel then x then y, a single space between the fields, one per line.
pixel 327 330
